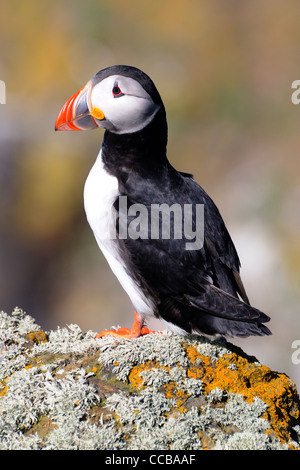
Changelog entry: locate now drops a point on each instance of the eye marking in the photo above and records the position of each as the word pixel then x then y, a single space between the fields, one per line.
pixel 116 91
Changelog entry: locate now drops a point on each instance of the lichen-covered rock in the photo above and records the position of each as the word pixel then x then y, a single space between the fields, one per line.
pixel 65 390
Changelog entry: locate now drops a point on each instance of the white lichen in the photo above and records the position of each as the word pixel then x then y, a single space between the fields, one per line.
pixel 154 347
pixel 216 395
pixel 146 419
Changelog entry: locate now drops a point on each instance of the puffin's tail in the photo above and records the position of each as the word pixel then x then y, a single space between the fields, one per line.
pixel 214 312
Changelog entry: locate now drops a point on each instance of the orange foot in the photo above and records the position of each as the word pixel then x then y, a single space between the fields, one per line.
pixel 136 330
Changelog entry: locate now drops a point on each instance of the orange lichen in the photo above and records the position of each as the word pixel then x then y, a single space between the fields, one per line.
pixel 235 374
pixel 134 377
pixel 3 387
pixel 172 391
pixel 192 353
pixel 36 337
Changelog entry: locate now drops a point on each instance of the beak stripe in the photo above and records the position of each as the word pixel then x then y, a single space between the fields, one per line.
pixel 65 117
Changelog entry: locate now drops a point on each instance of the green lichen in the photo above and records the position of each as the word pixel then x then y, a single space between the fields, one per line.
pixel 70 391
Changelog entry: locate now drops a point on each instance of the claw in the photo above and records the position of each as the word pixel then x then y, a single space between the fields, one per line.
pixel 136 330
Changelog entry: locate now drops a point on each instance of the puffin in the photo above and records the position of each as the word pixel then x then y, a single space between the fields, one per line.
pixel 161 234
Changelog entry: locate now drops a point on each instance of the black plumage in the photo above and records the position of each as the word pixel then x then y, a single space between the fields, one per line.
pixel 176 278
pixel 195 290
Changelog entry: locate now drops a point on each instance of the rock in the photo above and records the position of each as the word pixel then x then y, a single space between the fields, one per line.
pixel 65 390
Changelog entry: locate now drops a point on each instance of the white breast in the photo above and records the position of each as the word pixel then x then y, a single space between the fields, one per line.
pixel 100 192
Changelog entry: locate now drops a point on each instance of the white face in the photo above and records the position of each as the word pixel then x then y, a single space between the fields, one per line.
pixel 127 107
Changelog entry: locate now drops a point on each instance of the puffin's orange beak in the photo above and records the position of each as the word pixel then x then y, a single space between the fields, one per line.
pixel 77 113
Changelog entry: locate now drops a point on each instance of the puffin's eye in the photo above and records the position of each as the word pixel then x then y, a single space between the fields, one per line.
pixel 116 91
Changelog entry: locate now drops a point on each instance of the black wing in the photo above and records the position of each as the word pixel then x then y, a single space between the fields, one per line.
pixel 194 289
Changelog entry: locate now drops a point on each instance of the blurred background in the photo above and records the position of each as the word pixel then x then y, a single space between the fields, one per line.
pixel 224 71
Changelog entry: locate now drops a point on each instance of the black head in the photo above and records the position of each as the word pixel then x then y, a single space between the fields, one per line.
pixel 120 98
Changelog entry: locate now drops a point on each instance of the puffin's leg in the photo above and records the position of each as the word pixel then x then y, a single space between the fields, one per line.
pixel 136 330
